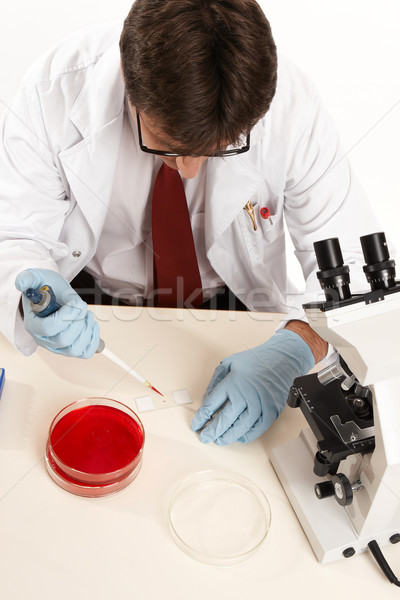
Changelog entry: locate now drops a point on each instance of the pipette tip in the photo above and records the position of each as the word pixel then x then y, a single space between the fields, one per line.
pixel 147 382
pixel 153 388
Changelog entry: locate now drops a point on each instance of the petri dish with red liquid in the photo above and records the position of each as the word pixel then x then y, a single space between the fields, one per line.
pixel 95 447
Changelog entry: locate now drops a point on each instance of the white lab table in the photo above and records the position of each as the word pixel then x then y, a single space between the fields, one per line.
pixel 54 544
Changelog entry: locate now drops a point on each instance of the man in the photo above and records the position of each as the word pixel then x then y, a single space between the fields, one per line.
pixel 192 87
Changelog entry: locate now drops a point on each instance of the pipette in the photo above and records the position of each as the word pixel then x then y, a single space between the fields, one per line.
pixel 115 359
pixel 44 303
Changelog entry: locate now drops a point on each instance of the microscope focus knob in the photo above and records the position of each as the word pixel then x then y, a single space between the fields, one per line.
pixel 344 489
pixel 340 487
pixel 324 489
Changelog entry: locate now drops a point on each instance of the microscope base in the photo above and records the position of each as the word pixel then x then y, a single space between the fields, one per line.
pixel 325 523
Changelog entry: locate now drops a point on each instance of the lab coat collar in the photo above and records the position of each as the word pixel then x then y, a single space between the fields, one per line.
pixel 95 106
pixel 98 115
pixel 90 167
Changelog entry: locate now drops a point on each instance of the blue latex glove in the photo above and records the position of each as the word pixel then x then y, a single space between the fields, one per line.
pixel 250 389
pixel 71 330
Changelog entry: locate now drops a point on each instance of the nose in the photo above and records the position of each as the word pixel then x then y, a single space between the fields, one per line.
pixel 189 166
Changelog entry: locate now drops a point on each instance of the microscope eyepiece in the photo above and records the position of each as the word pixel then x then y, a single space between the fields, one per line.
pixel 379 269
pixel 334 275
pixel 329 254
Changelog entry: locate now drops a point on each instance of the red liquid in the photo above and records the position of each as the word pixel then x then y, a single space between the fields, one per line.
pixel 96 439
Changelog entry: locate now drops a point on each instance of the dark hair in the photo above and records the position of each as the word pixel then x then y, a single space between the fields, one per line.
pixel 204 70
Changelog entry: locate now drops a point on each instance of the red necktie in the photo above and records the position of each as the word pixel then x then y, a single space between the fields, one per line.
pixel 177 281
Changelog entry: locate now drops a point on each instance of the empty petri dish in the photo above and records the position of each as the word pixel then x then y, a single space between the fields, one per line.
pixel 94 447
pixel 219 517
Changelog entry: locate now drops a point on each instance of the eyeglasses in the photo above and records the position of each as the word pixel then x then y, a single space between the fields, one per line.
pixel 229 152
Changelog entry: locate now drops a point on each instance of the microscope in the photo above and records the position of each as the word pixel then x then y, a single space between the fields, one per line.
pixel 342 474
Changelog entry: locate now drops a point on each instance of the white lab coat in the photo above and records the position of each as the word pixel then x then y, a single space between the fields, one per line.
pixel 58 156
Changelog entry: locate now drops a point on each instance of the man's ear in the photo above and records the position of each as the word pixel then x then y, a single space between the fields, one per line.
pixel 122 71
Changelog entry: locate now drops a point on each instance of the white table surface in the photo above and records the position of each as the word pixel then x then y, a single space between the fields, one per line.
pixel 54 544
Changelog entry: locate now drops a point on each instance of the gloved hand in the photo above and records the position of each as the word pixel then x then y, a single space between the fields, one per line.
pixel 71 330
pixel 250 389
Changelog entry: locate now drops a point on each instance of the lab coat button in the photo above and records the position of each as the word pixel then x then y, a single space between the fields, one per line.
pixel 76 253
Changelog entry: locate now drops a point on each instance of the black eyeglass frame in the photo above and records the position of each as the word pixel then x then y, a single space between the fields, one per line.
pixel 221 153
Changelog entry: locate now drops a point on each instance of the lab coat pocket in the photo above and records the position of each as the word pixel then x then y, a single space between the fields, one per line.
pixel 261 234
